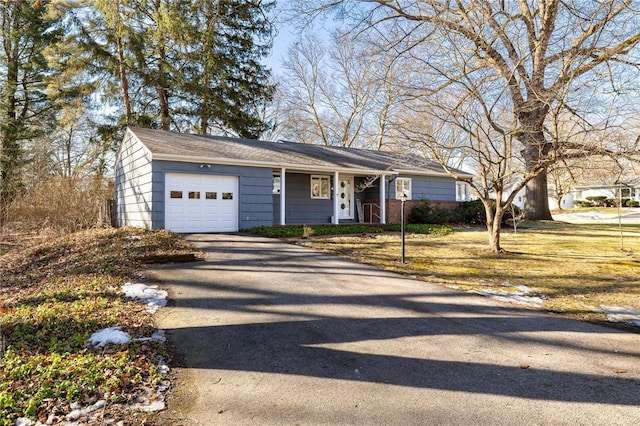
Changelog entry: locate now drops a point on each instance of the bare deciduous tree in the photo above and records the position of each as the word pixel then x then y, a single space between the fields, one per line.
pixel 337 95
pixel 518 59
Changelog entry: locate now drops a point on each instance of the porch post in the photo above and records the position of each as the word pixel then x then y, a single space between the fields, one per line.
pixel 282 196
pixel 336 200
pixel 383 199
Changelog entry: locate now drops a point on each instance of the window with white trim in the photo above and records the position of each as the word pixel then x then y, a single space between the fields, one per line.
pixel 403 186
pixel 320 187
pixel 463 191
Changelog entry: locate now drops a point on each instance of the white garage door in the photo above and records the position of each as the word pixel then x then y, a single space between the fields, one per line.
pixel 201 203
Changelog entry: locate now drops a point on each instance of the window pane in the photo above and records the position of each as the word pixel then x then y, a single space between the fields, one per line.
pixel 176 194
pixel 194 195
pixel 403 186
pixel 211 195
pixel 276 185
pixel 227 195
pixel 325 187
pixel 320 187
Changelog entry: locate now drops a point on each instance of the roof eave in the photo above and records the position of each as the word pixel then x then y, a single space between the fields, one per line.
pixel 432 173
pixel 273 165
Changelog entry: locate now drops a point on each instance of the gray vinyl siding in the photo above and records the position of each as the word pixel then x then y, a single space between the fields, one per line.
pixel 300 207
pixel 133 184
pixel 432 188
pixel 255 199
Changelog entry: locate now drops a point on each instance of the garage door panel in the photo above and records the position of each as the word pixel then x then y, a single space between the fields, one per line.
pixel 202 207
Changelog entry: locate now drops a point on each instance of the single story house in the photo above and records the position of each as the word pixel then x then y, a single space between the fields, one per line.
pixel 627 190
pixel 202 183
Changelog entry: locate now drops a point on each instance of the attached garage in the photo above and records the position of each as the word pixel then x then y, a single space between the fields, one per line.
pixel 201 203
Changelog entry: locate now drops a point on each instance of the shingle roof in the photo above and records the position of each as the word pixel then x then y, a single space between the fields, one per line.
pixel 218 149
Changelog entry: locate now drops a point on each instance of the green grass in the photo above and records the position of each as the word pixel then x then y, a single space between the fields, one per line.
pixel 576 268
pixel 303 231
pixel 53 297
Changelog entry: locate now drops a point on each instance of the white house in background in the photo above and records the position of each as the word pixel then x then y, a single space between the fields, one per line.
pixel 565 203
pixel 631 191
pixel 581 192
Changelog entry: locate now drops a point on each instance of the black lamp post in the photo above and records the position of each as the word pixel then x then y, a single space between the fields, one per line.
pixel 403 199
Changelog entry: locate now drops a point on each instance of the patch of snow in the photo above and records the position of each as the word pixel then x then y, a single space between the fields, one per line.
pixel 109 335
pixel 157 336
pixel 588 217
pixel 80 413
pixel 156 405
pixel 519 296
pixel 150 295
pixel 133 238
pixel 621 314
pixel 149 401
pixel 163 368
pixel 23 421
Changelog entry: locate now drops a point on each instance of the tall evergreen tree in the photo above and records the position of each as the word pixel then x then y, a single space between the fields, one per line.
pixel 185 65
pixel 224 81
pixel 27 29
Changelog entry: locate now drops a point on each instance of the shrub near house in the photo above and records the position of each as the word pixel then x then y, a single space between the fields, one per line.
pixel 468 213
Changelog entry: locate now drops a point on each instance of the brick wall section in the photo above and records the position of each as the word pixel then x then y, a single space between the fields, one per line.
pixel 394 207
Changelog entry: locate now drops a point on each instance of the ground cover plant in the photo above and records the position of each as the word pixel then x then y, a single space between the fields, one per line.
pixel 304 231
pixel 53 296
pixel 577 270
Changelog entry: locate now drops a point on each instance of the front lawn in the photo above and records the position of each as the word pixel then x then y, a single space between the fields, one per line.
pixel 53 297
pixel 577 270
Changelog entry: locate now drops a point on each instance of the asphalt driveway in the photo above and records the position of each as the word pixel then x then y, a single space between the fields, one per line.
pixel 271 333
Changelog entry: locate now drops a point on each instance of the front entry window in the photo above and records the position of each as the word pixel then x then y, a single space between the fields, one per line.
pixel 320 187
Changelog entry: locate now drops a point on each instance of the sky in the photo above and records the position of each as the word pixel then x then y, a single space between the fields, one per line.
pixel 288 33
pixel 286 36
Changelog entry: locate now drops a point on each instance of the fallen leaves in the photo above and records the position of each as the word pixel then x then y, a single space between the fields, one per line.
pixel 53 296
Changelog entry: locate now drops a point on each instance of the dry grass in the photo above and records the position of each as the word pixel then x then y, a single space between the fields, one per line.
pixel 57 206
pixel 575 268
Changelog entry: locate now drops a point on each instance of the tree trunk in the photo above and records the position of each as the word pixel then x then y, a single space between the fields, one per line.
pixel 536 202
pixel 532 116
pixel 204 119
pixel 10 151
pixel 161 84
pixel 494 237
pixel 124 81
pixel 163 96
pixel 494 225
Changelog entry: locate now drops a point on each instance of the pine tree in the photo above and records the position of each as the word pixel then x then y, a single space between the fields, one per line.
pixel 224 81
pixel 27 29
pixel 182 65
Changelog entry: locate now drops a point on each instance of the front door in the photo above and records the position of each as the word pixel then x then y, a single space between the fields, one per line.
pixel 346 195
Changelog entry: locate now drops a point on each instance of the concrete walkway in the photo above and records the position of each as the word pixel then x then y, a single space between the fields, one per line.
pixel 268 333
